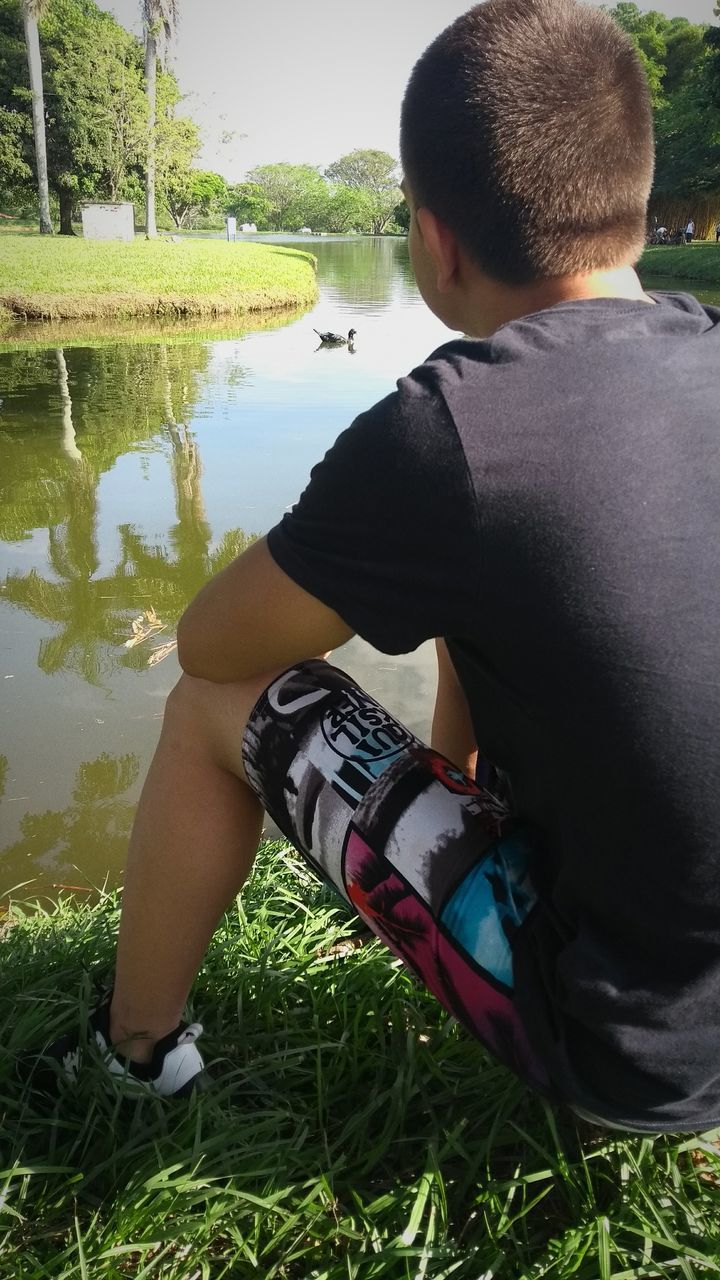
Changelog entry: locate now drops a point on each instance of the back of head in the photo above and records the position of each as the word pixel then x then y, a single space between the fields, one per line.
pixel 527 128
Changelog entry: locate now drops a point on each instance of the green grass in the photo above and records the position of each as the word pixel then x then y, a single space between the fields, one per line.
pixel 699 261
pixel 44 278
pixel 354 1132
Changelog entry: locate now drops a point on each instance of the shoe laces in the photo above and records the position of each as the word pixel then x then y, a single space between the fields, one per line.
pixel 190 1034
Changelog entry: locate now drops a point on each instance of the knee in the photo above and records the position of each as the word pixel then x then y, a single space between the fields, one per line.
pixel 196 702
pixel 188 703
pixel 199 721
pixel 211 718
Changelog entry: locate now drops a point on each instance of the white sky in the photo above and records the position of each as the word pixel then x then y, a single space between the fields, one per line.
pixel 307 82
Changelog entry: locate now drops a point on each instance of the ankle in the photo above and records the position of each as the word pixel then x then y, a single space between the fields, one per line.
pixel 132 1043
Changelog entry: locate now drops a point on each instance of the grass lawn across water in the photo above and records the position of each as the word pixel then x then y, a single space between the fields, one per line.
pixel 354 1131
pixel 49 278
pixel 698 261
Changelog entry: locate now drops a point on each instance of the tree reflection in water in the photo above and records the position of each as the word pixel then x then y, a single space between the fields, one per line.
pixel 92 615
pixel 95 825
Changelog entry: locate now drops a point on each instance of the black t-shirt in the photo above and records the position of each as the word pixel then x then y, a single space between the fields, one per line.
pixel 549 502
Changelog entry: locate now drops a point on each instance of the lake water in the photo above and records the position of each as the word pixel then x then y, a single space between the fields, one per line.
pixel 131 469
pixel 132 466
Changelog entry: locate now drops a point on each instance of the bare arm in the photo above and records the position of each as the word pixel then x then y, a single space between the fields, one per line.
pixel 452 729
pixel 253 618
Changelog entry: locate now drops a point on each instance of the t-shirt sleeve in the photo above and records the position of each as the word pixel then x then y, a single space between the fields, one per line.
pixel 385 532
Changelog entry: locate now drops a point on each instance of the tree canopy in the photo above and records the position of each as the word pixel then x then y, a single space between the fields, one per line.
pixel 189 192
pixel 375 174
pixel 357 192
pixel 682 61
pixel 96 111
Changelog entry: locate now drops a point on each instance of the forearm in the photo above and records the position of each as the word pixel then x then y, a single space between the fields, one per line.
pixel 251 619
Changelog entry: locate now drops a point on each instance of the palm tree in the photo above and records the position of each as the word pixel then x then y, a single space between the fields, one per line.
pixel 69 441
pixel 159 19
pixel 32 12
pixel 91 622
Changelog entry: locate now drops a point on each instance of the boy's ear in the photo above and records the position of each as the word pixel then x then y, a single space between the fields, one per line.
pixel 441 246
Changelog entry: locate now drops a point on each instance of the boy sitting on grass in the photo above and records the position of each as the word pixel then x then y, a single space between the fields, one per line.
pixel 543 498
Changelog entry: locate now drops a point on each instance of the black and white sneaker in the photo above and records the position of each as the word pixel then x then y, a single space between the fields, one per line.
pixel 176 1068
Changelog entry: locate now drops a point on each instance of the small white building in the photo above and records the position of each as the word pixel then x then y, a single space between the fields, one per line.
pixel 108 221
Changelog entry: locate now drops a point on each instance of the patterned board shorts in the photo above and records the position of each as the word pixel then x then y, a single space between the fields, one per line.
pixel 427 858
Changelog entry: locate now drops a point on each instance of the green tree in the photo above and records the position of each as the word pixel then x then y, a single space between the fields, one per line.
pixel 296 195
pixel 96 118
pixel 376 174
pixel 32 12
pixel 17 152
pixel 712 44
pixel 248 203
pixel 684 50
pixel 349 209
pixel 401 216
pixel 192 192
pixel 119 113
pixel 96 109
pixel 679 59
pixel 177 142
pixel 15 172
pixel 375 170
pixel 688 141
pixel 159 21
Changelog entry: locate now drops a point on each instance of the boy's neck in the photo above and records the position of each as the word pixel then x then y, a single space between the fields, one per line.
pixel 491 304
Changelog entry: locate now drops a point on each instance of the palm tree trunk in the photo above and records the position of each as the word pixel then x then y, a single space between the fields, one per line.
pixel 32 45
pixel 151 94
pixel 68 443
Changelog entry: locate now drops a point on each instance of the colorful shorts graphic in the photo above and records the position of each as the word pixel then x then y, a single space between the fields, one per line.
pixel 428 859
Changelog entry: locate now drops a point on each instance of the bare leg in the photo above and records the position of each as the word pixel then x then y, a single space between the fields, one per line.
pixel 193 843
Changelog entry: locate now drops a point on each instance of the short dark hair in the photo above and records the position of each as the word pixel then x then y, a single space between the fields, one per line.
pixel 527 128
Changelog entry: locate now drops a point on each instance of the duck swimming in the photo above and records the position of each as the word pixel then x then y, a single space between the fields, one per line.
pixel 336 339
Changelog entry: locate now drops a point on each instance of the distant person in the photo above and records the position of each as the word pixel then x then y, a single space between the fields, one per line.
pixel 689 232
pixel 541 498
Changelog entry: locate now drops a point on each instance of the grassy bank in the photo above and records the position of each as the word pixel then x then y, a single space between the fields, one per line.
pixel 43 278
pixel 354 1133
pixel 699 261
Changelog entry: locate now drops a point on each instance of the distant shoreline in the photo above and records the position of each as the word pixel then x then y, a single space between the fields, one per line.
pixel 51 279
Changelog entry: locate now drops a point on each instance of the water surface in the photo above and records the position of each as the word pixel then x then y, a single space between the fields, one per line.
pixel 132 466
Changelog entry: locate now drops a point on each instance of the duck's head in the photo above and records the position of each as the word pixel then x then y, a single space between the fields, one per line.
pixel 351 335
